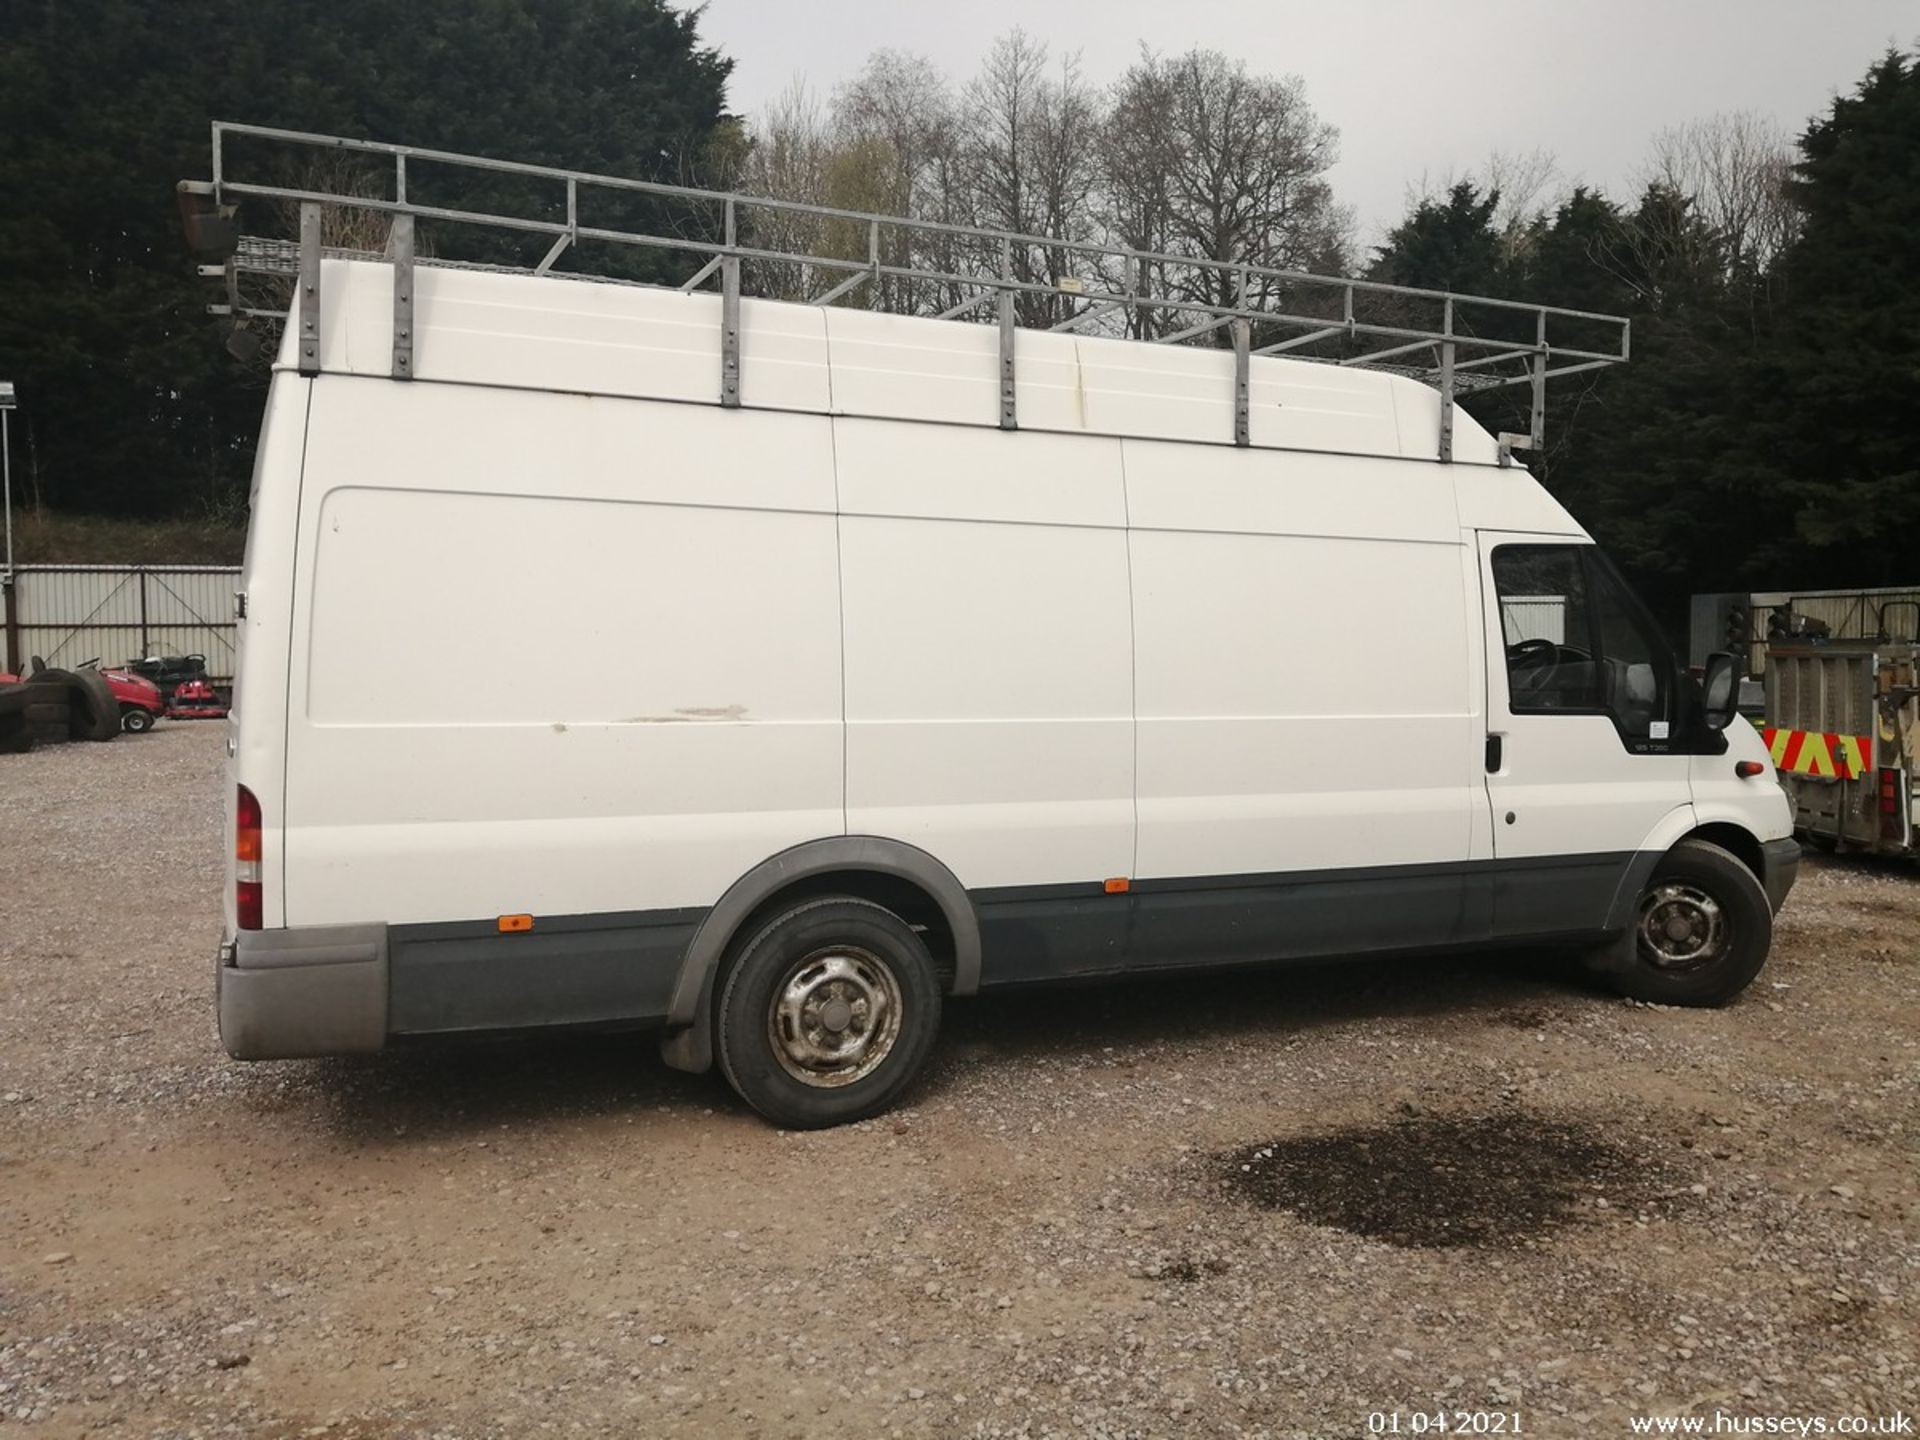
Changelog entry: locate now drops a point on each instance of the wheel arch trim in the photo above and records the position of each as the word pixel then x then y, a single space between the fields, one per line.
pixel 693 990
pixel 1685 822
pixel 1673 827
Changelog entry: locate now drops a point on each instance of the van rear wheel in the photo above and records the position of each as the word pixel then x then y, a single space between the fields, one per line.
pixel 828 1013
pixel 1701 932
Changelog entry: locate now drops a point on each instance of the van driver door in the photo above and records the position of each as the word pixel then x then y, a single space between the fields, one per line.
pixel 1584 754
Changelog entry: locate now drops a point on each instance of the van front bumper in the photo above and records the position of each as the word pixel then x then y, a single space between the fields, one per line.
pixel 289 994
pixel 1779 868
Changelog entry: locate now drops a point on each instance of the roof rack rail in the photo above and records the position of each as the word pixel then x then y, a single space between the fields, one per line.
pixel 816 254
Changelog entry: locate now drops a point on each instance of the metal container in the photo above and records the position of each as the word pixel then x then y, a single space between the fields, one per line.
pixel 1843 726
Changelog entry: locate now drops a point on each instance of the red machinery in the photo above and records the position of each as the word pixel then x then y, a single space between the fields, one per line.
pixel 196 700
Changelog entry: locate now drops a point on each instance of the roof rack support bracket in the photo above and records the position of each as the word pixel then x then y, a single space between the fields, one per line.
pixel 730 332
pixel 959 308
pixel 560 241
pixel 309 363
pixel 1009 412
pixel 851 283
pixel 554 252
pixel 730 313
pixel 1088 316
pixel 1537 430
pixel 400 245
pixel 1446 388
pixel 1242 416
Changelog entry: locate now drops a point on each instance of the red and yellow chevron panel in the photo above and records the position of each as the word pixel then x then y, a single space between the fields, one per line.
pixel 1812 752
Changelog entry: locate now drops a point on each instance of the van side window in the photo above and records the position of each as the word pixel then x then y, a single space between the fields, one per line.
pixel 1575 642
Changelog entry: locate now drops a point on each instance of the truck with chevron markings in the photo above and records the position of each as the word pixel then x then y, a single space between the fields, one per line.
pixel 1843 727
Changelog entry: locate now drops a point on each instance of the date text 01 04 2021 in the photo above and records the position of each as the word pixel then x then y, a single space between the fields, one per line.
pixel 1444 1422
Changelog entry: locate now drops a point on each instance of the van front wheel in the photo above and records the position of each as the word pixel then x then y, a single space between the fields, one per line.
pixel 1701 932
pixel 828 1013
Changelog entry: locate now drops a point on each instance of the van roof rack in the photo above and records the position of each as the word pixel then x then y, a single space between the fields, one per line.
pixel 820 255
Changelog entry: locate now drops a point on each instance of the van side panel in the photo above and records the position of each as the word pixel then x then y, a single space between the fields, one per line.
pixel 989 674
pixel 507 702
pixel 1306 721
pixel 257 725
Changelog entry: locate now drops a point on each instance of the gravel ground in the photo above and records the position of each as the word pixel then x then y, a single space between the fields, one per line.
pixel 1264 1205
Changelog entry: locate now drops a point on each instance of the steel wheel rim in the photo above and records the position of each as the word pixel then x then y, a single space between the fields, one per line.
pixel 1682 927
pixel 834 1017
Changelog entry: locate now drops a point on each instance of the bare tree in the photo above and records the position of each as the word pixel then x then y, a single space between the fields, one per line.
pixel 1030 160
pixel 789 147
pixel 1191 156
pixel 1735 166
pixel 899 116
pixel 1528 186
pixel 906 104
pixel 1204 159
pixel 789 160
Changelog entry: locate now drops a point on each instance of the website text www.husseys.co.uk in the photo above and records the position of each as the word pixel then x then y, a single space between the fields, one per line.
pixel 1725 1422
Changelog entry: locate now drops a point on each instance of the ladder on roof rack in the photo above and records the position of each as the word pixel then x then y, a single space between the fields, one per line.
pixel 822 256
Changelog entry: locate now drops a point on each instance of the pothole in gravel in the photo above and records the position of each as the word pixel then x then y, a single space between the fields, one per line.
pixel 1436 1182
pixel 1526 1017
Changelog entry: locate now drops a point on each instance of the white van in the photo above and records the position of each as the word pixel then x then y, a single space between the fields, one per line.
pixel 572 696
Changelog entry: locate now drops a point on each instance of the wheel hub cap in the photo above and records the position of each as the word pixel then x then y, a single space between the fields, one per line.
pixel 834 1017
pixel 1681 927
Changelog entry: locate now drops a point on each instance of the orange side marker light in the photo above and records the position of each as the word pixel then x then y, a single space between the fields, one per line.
pixel 512 923
pixel 1119 885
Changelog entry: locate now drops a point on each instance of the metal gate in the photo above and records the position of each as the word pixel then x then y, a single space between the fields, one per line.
pixel 67 614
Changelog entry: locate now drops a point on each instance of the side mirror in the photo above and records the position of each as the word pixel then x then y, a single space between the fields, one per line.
pixel 1720 690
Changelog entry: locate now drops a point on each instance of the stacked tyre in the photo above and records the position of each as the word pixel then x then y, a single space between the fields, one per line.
pixel 93 711
pixel 34 712
pixel 16 727
pixel 56 706
pixel 49 712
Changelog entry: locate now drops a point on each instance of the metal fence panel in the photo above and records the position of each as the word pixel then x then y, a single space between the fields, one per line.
pixel 1534 617
pixel 67 614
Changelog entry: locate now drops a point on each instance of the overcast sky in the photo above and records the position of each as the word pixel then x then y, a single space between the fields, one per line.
pixel 1413 85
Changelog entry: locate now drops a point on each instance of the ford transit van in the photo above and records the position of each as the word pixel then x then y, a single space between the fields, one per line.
pixel 861 660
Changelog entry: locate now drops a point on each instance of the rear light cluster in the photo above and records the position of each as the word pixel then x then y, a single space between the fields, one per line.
pixel 246 861
pixel 1892 823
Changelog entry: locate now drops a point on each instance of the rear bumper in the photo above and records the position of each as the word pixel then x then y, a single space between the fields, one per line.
pixel 1779 868
pixel 286 994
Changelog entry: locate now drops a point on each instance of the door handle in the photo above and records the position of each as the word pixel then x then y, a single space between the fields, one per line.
pixel 1495 753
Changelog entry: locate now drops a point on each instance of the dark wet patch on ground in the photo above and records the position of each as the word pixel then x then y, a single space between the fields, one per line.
pixel 1439 1182
pixel 1525 1017
pixel 1186 1269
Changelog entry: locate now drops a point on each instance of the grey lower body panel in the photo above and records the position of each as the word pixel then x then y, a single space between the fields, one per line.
pixel 566 970
pixel 1056 932
pixel 328 990
pixel 1779 868
pixel 333 990
pixel 288 994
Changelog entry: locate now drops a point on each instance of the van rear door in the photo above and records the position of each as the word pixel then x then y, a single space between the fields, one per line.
pixel 1583 761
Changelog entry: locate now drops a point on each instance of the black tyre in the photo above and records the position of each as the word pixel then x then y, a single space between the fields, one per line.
pixel 136 721
pixel 827 1013
pixel 95 714
pixel 1701 932
pixel 48 711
